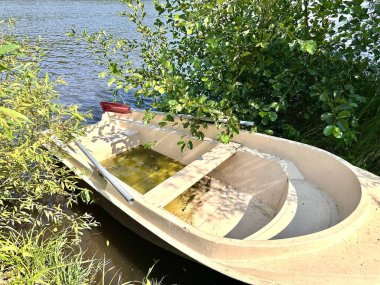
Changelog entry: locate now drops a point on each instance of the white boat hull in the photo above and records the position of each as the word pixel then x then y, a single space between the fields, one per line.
pixel 294 214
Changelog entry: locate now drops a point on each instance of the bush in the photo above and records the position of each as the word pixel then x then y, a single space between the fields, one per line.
pixel 298 69
pixel 34 189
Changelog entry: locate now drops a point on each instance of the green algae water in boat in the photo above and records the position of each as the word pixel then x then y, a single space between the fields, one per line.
pixel 142 168
pixel 260 209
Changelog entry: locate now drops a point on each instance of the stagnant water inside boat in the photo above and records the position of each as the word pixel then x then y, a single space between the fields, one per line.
pixel 142 168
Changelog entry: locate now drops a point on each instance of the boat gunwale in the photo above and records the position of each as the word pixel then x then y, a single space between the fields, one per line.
pixel 337 229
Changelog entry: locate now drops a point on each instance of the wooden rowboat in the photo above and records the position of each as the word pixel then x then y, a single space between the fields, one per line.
pixel 260 209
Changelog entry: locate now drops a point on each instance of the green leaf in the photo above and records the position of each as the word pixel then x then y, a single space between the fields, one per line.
pixel 162 124
pixel 276 86
pixel 205 21
pixel 263 114
pixel 267 73
pixel 103 74
pixel 355 123
pixel 272 116
pixel 325 116
pixel 9 248
pixel 265 120
pixel 46 78
pixel 150 145
pixel 269 132
pixel 247 53
pixel 160 89
pixel 172 102
pixel 182 144
pixel 167 64
pixel 343 125
pixel 328 131
pixel 344 114
pixel 111 81
pixel 308 46
pixel 8 48
pixel 13 114
pixel 169 118
pixel 224 138
pixel 189 30
pixel 337 132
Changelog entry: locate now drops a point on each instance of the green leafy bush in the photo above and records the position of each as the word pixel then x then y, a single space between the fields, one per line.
pixel 28 109
pixel 35 191
pixel 281 64
pixel 304 70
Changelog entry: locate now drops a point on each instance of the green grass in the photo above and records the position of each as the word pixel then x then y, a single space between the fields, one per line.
pixel 43 257
pixel 39 257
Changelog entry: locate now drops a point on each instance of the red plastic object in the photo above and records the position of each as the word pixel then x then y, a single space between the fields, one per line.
pixel 115 107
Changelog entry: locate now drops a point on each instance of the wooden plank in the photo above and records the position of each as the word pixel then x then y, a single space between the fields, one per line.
pixel 165 192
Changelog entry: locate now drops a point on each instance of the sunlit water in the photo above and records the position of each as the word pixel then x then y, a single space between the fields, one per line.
pixel 51 19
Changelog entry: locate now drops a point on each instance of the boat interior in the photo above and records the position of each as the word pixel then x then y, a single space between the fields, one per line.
pixel 234 190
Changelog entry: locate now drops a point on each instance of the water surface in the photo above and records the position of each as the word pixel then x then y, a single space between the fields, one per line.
pixel 70 60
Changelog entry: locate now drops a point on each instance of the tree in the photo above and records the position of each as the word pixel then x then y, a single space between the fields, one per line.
pixel 289 66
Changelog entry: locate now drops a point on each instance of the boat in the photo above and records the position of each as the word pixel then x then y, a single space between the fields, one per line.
pixel 261 209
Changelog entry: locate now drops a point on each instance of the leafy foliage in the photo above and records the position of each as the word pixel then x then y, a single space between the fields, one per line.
pixel 35 191
pixel 282 64
pixel 28 170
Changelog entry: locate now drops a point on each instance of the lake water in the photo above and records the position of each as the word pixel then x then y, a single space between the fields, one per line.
pixel 52 19
pixel 130 255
